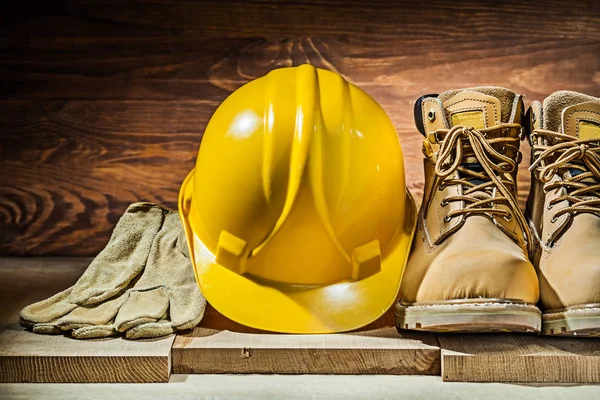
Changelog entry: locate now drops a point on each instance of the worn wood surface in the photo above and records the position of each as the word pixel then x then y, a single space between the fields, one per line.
pixel 28 357
pixel 519 358
pixel 222 346
pixel 104 104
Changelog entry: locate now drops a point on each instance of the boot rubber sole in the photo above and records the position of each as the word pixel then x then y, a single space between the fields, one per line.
pixel 580 321
pixel 469 315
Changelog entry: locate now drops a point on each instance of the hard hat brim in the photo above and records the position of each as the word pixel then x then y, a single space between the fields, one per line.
pixel 277 307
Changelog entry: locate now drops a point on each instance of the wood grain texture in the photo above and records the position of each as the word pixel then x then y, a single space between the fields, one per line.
pixel 239 18
pixel 222 346
pixel 69 169
pixel 519 358
pixel 104 104
pixel 29 357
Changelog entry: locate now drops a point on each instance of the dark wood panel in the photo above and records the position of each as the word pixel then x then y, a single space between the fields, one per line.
pixel 69 169
pixel 103 104
pixel 388 18
pixel 391 70
pixel 191 50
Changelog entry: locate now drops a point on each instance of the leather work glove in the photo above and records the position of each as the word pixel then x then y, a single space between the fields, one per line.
pixel 150 294
pixel 165 298
pixel 91 300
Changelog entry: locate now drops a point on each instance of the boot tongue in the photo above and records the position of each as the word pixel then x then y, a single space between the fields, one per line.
pixel 478 107
pixel 573 114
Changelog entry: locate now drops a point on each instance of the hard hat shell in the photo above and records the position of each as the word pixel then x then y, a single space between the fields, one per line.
pixel 297 214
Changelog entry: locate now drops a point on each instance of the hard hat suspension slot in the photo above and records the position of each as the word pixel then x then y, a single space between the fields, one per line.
pixel 232 252
pixel 366 260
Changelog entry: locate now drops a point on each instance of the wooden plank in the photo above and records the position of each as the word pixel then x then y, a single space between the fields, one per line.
pixel 394 71
pixel 237 18
pixel 28 357
pixel 519 358
pixel 220 346
pixel 70 169
pixel 167 50
pixel 138 85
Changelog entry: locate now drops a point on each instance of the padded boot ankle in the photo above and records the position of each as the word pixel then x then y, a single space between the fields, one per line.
pixel 469 269
pixel 563 210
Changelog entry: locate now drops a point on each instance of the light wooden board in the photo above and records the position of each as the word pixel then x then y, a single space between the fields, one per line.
pixel 519 358
pixel 28 357
pixel 220 345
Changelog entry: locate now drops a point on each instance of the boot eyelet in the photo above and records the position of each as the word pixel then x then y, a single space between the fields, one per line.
pixel 447 219
pixel 441 187
pixel 431 115
pixel 553 219
pixel 549 206
pixel 443 203
pixel 508 217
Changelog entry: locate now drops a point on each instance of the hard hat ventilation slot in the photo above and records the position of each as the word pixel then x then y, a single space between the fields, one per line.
pixel 366 260
pixel 232 252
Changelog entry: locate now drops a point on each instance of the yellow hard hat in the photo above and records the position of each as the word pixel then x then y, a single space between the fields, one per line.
pixel 297 214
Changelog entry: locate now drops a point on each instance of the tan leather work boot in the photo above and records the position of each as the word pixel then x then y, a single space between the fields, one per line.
pixel 563 210
pixel 469 268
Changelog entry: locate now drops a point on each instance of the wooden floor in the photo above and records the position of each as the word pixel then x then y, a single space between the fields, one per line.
pixel 221 346
pixel 104 105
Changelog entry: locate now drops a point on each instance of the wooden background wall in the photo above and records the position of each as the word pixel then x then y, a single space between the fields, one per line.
pixel 104 104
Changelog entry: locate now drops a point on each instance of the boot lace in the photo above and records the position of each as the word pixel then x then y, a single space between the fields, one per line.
pixel 580 158
pixel 477 185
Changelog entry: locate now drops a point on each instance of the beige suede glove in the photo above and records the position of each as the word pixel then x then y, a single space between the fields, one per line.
pixel 166 297
pixel 98 294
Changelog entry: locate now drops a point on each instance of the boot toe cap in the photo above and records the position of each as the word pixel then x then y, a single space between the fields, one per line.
pixel 482 274
pixel 570 285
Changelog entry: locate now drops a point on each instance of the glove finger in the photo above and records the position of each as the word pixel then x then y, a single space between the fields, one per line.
pixel 187 302
pixel 150 330
pixel 142 307
pixel 123 258
pixel 187 306
pixel 169 265
pixel 47 310
pixel 94 332
pixel 100 314
pixel 46 329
